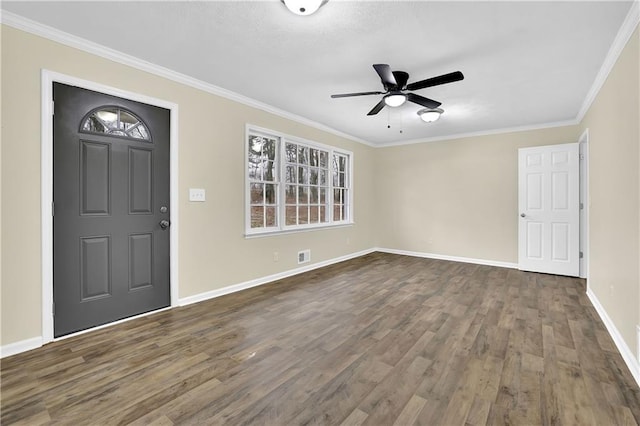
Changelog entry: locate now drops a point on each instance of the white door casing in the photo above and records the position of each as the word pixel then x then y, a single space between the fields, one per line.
pixel 548 202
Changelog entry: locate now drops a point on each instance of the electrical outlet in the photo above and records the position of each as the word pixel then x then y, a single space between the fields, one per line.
pixel 196 194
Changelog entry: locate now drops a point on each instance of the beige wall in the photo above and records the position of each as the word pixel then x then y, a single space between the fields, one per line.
pixel 213 252
pixel 614 193
pixel 456 197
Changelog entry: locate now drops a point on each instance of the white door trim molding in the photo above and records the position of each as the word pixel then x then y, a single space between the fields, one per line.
pixel 46 182
pixel 584 201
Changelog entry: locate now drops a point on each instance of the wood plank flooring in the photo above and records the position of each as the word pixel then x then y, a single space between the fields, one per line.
pixel 378 340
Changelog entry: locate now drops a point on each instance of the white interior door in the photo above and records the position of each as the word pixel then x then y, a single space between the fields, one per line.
pixel 548 201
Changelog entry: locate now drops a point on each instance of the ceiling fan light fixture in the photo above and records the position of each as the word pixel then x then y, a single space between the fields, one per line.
pixel 395 99
pixel 303 7
pixel 429 115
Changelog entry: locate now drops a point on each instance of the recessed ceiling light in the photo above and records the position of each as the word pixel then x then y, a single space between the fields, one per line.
pixel 430 115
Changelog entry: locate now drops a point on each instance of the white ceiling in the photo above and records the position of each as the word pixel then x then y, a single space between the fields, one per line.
pixel 525 63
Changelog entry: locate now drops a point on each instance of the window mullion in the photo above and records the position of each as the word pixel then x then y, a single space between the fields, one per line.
pixel 330 195
pixel 281 197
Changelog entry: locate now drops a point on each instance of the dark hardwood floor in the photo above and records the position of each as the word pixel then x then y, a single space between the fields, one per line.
pixel 378 340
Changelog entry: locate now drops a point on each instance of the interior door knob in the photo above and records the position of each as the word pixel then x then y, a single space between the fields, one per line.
pixel 164 224
pixel 522 215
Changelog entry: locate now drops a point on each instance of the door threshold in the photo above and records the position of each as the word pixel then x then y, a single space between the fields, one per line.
pixel 99 327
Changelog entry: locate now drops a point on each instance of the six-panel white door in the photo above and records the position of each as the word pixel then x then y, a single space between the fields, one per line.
pixel 548 200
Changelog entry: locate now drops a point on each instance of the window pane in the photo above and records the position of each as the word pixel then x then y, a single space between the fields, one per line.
pixel 257 217
pixel 290 217
pixel 313 176
pixel 313 195
pixel 255 147
pixel 341 181
pixel 343 163
pixel 270 213
pixel 335 178
pixel 313 154
pixel 270 194
pixel 92 124
pixel 303 215
pixel 303 195
pixel 324 155
pixel 290 194
pixel 269 149
pixel 323 196
pixel 313 214
pixel 303 175
pixel 127 120
pixel 290 152
pixel 337 196
pixel 138 132
pixel 303 155
pixel 256 193
pixel 290 174
pixel 108 116
pixel 323 214
pixel 337 212
pixel 255 172
pixel 322 177
pixel 269 171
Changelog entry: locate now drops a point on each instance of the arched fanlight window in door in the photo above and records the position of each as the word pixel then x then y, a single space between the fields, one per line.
pixel 115 121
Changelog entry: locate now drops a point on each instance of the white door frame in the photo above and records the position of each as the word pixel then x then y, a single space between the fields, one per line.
pixel 584 201
pixel 46 168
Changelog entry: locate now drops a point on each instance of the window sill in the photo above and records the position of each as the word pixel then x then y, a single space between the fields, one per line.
pixel 297 231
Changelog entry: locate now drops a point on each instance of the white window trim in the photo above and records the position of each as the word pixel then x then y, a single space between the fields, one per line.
pixel 282 138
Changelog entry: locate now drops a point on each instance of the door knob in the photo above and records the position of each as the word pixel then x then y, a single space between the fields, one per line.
pixel 522 215
pixel 164 224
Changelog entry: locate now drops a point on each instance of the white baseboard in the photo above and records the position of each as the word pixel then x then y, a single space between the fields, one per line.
pixel 450 258
pixel 270 278
pixel 623 348
pixel 21 346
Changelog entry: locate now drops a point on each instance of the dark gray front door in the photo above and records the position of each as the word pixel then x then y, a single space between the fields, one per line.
pixel 111 208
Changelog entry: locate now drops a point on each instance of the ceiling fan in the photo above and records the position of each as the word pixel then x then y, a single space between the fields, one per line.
pixel 395 86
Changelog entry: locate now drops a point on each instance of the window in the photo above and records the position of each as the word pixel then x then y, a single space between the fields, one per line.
pixel 115 121
pixel 294 184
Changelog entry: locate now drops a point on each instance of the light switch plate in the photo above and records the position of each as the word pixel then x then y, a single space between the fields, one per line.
pixel 196 194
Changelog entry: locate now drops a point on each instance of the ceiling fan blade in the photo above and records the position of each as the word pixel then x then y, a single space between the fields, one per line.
pixel 346 95
pixel 386 75
pixel 436 81
pixel 376 109
pixel 421 100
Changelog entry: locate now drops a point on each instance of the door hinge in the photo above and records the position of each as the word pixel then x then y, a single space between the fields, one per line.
pixel 53 309
pixel 53 208
pixel 582 156
pixel 581 255
pixel 581 206
pixel 53 108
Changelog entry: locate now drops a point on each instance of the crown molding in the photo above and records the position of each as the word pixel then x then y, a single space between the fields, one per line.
pixel 619 42
pixel 500 131
pixel 36 28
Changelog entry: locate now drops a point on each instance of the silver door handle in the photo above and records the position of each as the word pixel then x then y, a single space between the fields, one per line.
pixel 164 224
pixel 523 215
